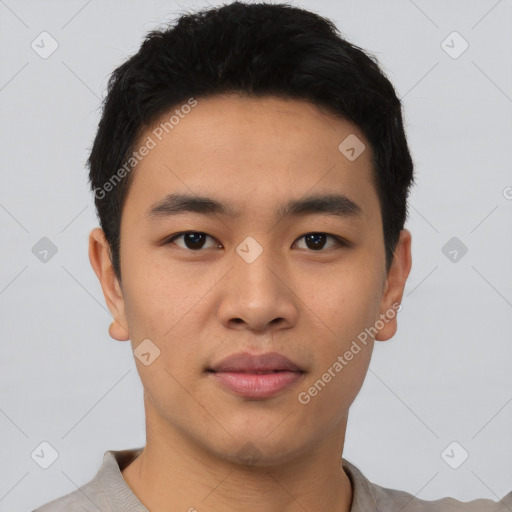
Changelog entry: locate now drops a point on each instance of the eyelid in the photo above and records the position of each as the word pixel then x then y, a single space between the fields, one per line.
pixel 170 239
pixel 340 241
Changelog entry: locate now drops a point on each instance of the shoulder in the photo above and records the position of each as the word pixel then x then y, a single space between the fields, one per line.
pixel 87 498
pixel 368 496
pixel 389 499
pixel 106 492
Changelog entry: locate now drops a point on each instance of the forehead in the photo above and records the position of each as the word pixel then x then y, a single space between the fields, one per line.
pixel 232 122
pixel 253 149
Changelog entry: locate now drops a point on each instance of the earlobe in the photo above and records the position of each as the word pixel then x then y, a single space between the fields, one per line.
pixel 118 332
pixel 395 284
pixel 99 256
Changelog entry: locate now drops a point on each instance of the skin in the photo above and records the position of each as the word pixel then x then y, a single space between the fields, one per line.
pixel 199 307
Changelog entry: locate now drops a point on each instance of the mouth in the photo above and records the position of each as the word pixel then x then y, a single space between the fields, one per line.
pixel 246 362
pixel 255 376
pixel 256 385
pixel 253 372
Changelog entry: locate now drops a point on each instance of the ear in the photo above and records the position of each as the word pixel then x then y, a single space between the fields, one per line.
pixel 394 286
pixel 99 256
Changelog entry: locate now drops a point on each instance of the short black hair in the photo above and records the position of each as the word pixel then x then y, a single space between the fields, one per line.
pixel 258 49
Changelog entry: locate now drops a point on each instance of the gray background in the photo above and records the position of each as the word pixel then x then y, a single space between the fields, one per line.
pixel 444 377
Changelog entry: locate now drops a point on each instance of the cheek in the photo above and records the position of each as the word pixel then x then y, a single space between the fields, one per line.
pixel 163 305
pixel 327 396
pixel 347 306
pixel 157 296
pixel 343 302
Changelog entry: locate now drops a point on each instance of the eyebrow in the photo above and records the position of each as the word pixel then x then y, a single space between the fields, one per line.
pixel 337 205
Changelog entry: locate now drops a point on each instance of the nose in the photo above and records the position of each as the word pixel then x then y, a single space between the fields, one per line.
pixel 258 295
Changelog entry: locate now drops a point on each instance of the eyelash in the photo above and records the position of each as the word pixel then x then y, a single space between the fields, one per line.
pixel 341 243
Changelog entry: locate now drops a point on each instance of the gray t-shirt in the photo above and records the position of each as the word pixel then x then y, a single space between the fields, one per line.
pixel 109 492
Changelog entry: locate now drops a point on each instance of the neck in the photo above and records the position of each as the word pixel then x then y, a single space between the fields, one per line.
pixel 174 473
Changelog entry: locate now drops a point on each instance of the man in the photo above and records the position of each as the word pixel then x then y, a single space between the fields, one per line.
pixel 251 175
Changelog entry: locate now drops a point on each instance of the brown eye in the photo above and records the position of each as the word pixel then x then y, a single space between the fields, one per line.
pixel 316 241
pixel 193 240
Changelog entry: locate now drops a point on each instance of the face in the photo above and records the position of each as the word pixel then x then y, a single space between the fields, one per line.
pixel 253 276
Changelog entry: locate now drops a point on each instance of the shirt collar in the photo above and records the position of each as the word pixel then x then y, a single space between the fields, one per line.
pixel 122 498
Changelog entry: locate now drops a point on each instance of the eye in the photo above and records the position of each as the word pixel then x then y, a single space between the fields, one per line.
pixel 316 241
pixel 195 240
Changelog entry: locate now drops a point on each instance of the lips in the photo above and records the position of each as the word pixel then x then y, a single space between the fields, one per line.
pixel 256 377
pixel 244 362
